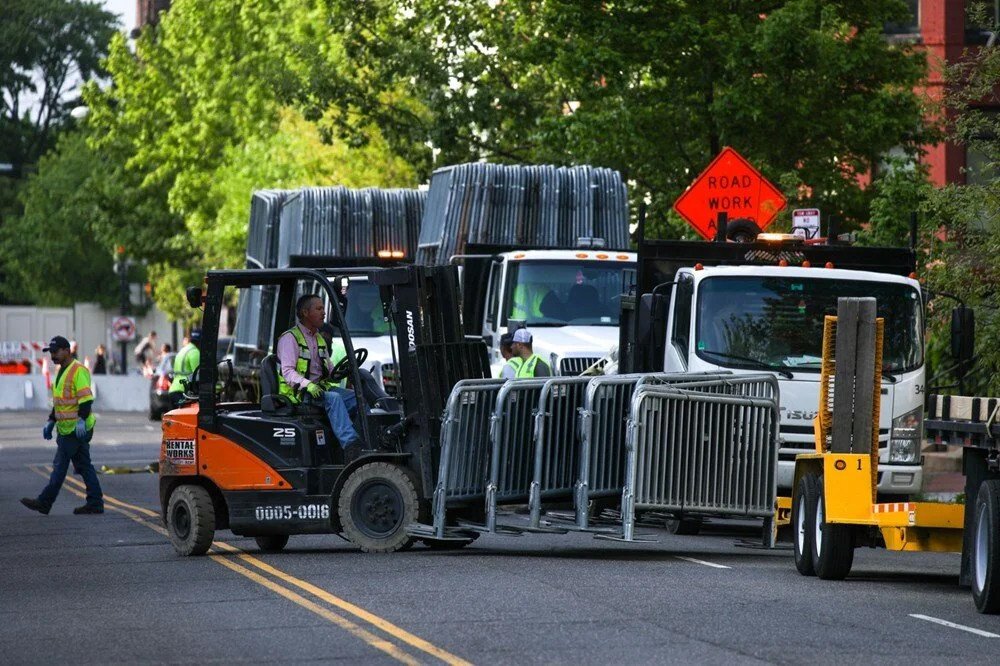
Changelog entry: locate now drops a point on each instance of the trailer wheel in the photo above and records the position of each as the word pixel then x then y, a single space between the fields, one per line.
pixel 986 548
pixel 271 543
pixel 376 505
pixel 190 520
pixel 833 545
pixel 683 526
pixel 803 515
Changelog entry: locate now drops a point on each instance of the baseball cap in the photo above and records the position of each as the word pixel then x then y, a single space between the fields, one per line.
pixel 522 335
pixel 56 343
pixel 195 335
pixel 506 338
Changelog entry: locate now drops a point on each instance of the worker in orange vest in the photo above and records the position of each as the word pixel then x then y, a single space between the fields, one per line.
pixel 73 421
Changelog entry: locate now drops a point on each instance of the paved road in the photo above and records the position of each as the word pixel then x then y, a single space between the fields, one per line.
pixel 109 589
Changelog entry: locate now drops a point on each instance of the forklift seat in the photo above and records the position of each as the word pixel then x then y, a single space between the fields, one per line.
pixel 271 402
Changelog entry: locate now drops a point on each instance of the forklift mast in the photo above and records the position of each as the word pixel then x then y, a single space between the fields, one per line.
pixel 434 352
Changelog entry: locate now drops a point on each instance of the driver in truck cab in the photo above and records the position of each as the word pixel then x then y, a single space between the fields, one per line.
pixel 306 367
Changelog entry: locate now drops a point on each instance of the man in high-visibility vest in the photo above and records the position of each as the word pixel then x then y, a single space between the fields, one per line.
pixel 73 421
pixel 513 363
pixel 306 367
pixel 185 363
pixel 532 364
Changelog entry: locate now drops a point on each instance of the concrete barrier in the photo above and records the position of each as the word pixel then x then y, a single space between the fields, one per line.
pixel 117 393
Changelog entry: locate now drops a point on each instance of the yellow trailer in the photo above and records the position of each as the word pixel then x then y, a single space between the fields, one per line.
pixel 834 507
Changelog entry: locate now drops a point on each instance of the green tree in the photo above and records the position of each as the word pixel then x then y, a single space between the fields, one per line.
pixel 49 252
pixel 810 91
pixel 215 102
pixel 47 48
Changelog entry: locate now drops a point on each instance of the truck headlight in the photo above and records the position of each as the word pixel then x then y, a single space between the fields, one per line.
pixel 907 433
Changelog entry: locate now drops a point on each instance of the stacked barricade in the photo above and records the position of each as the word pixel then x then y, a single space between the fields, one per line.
pixel 523 205
pixel 682 444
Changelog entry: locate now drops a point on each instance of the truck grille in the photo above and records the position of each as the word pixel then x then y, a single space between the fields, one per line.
pixel 574 365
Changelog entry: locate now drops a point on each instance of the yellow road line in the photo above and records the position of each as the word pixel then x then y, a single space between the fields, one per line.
pixel 357 611
pixel 342 622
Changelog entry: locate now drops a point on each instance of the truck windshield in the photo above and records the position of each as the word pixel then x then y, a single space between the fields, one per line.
pixel 779 320
pixel 560 293
pixel 364 310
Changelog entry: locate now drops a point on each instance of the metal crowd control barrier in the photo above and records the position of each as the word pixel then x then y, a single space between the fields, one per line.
pixel 604 421
pixel 706 448
pixel 513 438
pixel 678 443
pixel 557 442
pixel 465 446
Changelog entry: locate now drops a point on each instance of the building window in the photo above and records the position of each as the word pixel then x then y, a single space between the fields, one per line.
pixel 910 26
pixel 981 19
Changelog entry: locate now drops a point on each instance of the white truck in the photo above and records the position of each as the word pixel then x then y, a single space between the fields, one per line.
pixel 570 300
pixel 747 307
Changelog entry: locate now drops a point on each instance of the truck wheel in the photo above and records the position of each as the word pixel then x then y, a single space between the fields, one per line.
pixel 803 515
pixel 190 520
pixel 271 543
pixel 683 526
pixel 985 558
pixel 376 505
pixel 833 545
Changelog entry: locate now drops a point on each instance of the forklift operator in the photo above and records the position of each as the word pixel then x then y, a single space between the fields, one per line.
pixel 305 370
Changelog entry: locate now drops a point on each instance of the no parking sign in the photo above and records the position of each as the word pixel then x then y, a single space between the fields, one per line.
pixel 123 329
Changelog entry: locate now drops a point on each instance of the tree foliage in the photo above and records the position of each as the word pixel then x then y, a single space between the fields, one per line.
pixel 810 91
pixel 47 49
pixel 204 111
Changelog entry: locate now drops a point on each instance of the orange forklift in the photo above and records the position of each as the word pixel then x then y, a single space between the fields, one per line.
pixel 269 468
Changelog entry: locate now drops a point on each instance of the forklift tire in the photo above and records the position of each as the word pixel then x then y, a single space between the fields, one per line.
pixel 376 505
pixel 833 545
pixel 803 529
pixel 985 559
pixel 190 520
pixel 271 543
pixel 683 526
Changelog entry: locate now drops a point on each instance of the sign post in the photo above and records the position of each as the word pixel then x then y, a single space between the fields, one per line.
pixel 730 185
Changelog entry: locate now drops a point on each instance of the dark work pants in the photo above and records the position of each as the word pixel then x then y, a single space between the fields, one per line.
pixel 69 448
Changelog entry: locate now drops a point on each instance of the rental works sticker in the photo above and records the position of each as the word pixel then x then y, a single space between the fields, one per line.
pixel 180 451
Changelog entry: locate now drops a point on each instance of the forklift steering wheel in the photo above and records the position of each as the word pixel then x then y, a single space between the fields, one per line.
pixel 341 370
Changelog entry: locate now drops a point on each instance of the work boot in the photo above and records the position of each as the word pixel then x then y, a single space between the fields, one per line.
pixel 353 451
pixel 86 508
pixel 35 505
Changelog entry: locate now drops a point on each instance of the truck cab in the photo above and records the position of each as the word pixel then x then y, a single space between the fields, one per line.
pixel 748 307
pixel 568 298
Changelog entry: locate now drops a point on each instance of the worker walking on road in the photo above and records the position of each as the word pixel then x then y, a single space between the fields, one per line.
pixel 73 421
pixel 185 363
pixel 513 363
pixel 532 364
pixel 305 370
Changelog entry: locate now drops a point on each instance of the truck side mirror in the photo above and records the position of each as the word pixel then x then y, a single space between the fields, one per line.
pixel 194 296
pixel 963 336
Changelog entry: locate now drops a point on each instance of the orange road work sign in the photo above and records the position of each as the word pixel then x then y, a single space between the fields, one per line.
pixel 729 185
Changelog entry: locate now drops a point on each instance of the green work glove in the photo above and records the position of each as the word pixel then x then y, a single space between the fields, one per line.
pixel 314 390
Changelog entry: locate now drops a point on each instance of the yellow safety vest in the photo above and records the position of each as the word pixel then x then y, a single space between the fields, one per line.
pixel 185 363
pixel 72 389
pixel 302 363
pixel 528 301
pixel 527 369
